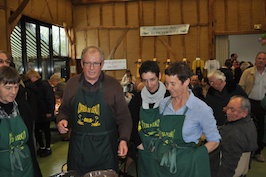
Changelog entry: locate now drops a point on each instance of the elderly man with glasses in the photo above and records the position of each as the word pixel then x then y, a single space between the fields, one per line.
pixel 222 88
pixel 219 94
pixel 238 138
pixel 95 109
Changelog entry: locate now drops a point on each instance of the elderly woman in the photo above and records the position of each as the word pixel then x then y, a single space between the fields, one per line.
pixel 17 152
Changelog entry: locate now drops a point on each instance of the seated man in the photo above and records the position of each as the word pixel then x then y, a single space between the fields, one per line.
pixel 238 135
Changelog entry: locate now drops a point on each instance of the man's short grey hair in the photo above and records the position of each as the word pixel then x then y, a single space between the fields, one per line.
pixel 217 74
pixel 92 49
pixel 245 103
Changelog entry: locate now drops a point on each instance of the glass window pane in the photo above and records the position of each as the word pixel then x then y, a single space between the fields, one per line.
pixel 44 34
pixel 31 45
pixel 15 40
pixel 55 33
pixel 63 42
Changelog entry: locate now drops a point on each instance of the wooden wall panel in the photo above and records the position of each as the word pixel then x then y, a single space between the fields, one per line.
pixel 94 15
pixel 175 12
pixel 2 4
pixel 56 12
pixel 108 20
pixel 120 16
pixel 132 48
pixel 148 48
pixel 161 13
pixel 103 24
pixel 148 14
pixel 219 18
pixel 203 19
pixel 81 42
pixel 232 12
pixel 239 16
pixel 133 19
pixel 81 18
pixel 176 42
pixel 107 15
pixel 104 41
pixel 91 38
pixel 258 13
pixel 191 44
pixel 203 43
pixel 189 10
pixel 245 20
pixel 4 35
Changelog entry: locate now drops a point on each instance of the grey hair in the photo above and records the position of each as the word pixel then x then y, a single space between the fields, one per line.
pixel 217 74
pixel 259 54
pixel 245 103
pixel 92 49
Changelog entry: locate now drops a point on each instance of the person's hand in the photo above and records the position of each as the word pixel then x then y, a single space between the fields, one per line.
pixel 141 147
pixel 122 149
pixel 129 95
pixel 62 126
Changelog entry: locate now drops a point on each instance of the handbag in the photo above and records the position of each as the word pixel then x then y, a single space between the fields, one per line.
pixel 263 102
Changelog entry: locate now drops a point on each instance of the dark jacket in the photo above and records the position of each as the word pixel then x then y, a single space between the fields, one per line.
pixel 218 100
pixel 237 137
pixel 27 117
pixel 32 97
pixel 46 100
pixel 113 96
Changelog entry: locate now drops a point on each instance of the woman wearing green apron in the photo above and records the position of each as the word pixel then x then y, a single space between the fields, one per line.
pixel 151 95
pixel 184 118
pixel 149 123
pixel 16 158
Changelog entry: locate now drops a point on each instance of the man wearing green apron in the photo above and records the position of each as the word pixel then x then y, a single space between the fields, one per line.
pixel 94 107
pixel 146 114
pixel 184 118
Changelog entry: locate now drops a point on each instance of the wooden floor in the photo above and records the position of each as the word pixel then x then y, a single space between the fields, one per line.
pixel 52 164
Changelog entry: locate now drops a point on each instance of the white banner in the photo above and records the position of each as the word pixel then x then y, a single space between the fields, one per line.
pixel 164 30
pixel 117 64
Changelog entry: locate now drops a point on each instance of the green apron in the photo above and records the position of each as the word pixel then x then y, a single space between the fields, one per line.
pixel 149 122
pixel 173 156
pixel 15 158
pixel 93 141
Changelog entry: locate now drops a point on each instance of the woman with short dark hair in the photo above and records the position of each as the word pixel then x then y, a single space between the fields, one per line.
pixel 17 152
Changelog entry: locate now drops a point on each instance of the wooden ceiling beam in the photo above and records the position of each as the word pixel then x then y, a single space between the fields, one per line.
pixel 85 2
pixel 18 11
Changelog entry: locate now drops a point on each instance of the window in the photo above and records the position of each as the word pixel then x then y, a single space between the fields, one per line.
pixel 36 44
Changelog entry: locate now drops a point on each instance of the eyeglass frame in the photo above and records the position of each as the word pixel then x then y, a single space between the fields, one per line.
pixel 94 64
pixel 7 61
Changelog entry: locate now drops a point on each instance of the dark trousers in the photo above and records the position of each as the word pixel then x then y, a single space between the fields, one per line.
pixel 43 127
pixel 259 114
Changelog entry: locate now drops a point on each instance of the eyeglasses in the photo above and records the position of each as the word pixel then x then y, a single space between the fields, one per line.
pixel 232 109
pixel 94 64
pixel 211 82
pixel 7 61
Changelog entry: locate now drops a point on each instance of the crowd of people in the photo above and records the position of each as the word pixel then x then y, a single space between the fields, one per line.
pixel 232 134
pixel 186 126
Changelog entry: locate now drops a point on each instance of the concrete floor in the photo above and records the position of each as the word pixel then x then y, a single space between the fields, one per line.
pixel 52 164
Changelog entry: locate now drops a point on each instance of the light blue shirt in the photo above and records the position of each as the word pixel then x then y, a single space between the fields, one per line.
pixel 199 119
